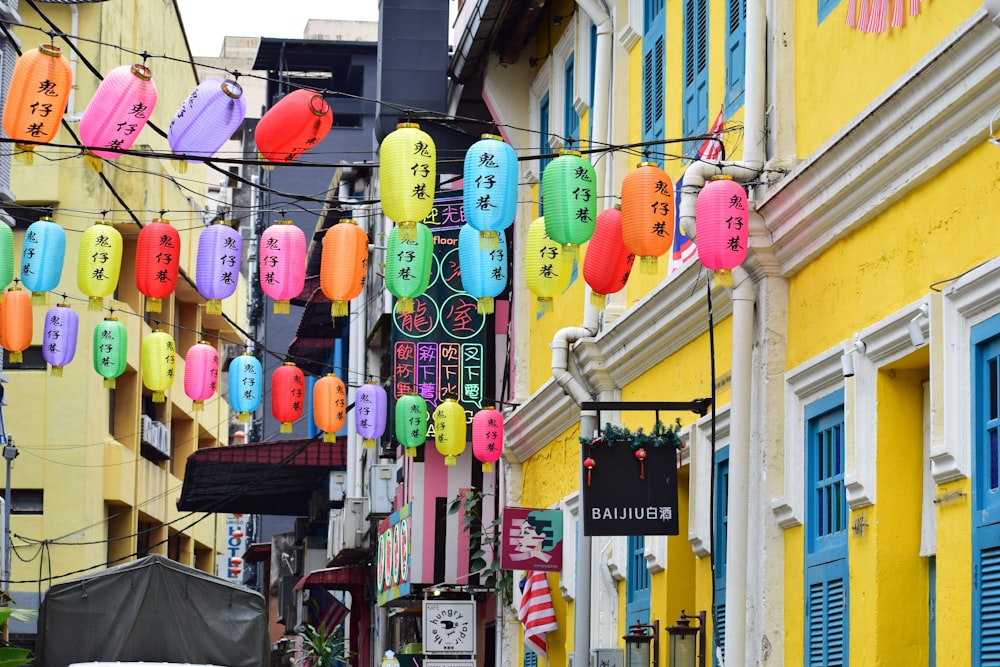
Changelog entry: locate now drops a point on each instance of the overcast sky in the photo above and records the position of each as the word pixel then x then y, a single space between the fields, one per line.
pixel 206 22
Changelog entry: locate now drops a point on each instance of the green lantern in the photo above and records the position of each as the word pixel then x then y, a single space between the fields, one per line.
pixel 569 195
pixel 110 350
pixel 408 265
pixel 411 422
pixel 6 256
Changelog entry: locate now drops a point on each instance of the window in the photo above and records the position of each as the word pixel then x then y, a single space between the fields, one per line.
pixel 571 119
pixel 637 582
pixel 695 111
pixel 736 34
pixel 31 359
pixel 530 658
pixel 593 74
pixel 721 535
pixel 653 74
pixel 543 134
pixel 825 7
pixel 27 501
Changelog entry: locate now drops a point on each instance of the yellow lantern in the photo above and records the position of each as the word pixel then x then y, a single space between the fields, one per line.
pixel 449 429
pixel 547 267
pixel 99 263
pixel 407 177
pixel 158 355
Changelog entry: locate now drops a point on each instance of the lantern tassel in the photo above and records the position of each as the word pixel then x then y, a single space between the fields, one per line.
pixel 153 305
pixel 25 155
pixel 588 476
pixel 338 309
pixel 897 14
pixel 286 427
pixel 57 371
pixel 329 437
pixel 598 300
pixel 244 418
pixel 197 406
pixel 489 240
pixel 484 305
pixel 109 383
pixel 95 303
pixel 410 452
pixel 16 357
pixel 158 397
pixel 404 304
pixel 571 250
pixel 722 278
pixel 281 308
pixel 213 307
pixel 38 298
pixel 851 12
pixel 648 265
pixel 266 165
pixel 544 305
pixel 487 467
pixel 450 460
pixel 408 231
pixel 368 443
pixel 93 162
pixel 180 166
pixel 642 470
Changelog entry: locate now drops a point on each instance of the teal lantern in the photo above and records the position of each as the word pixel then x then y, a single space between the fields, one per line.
pixel 408 265
pixel 484 271
pixel 110 350
pixel 42 257
pixel 246 385
pixel 411 422
pixel 569 194
pixel 490 195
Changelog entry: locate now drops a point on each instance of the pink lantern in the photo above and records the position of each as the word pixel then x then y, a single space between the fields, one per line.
pixel 119 110
pixel 282 263
pixel 62 325
pixel 487 437
pixel 201 373
pixel 208 118
pixel 720 218
pixel 217 271
pixel 370 403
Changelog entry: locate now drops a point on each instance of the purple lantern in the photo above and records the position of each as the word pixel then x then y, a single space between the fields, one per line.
pixel 59 339
pixel 207 119
pixel 370 404
pixel 217 272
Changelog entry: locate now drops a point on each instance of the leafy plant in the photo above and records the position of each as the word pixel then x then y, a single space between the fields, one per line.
pixel 484 541
pixel 321 648
pixel 10 656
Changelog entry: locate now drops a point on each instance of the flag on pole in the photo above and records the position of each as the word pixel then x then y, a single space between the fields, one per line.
pixel 323 610
pixel 683 248
pixel 536 612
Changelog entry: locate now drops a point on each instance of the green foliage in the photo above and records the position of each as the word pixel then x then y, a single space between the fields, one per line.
pixel 321 648
pixel 660 435
pixel 485 542
pixel 10 656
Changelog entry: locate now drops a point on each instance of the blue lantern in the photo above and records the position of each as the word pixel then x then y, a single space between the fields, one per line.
pixel 246 379
pixel 484 272
pixel 490 180
pixel 42 258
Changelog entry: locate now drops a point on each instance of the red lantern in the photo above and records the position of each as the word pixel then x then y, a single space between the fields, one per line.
pixel 36 98
pixel 287 395
pixel 721 225
pixel 343 264
pixel 607 264
pixel 487 437
pixel 157 261
pixel 201 374
pixel 648 214
pixel 282 263
pixel 299 121
pixel 329 403
pixel 15 323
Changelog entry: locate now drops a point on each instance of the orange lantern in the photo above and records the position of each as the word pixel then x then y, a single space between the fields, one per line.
pixel 343 264
pixel 157 261
pixel 15 323
pixel 287 395
pixel 329 403
pixel 36 98
pixel 648 214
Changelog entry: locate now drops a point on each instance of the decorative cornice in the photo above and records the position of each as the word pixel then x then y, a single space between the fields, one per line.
pixel 538 421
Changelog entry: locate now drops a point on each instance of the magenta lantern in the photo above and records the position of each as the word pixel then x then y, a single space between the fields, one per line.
pixel 207 118
pixel 201 373
pixel 370 404
pixel 59 338
pixel 720 218
pixel 217 272
pixel 282 263
pixel 487 437
pixel 119 110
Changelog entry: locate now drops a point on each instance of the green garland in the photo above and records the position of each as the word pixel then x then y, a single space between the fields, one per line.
pixel 659 436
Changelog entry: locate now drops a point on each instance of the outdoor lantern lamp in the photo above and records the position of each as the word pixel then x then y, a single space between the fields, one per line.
pixel 687 643
pixel 642 645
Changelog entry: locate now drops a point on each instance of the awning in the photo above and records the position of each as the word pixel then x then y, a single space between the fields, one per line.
pixel 275 477
pixel 258 552
pixel 334 577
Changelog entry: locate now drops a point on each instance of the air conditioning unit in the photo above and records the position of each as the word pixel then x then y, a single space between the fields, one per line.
pixel 349 526
pixel 381 488
pixel 146 430
pixel 319 506
pixel 163 438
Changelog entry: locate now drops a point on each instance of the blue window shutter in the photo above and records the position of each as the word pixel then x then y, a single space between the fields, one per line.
pixel 530 658
pixel 736 28
pixel 636 582
pixel 571 120
pixel 986 421
pixel 654 49
pixel 824 8
pixel 695 68
pixel 721 539
pixel 986 597
pixel 826 505
pixel 826 622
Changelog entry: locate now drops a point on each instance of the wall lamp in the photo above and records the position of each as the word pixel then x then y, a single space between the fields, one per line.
pixel 684 652
pixel 915 327
pixel 638 643
pixel 847 360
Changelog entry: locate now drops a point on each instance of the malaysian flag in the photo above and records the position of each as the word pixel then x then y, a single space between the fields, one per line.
pixel 684 248
pixel 536 613
pixel 324 612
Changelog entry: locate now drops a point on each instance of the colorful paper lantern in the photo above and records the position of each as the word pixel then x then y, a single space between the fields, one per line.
pixel 99 263
pixel 287 395
pixel 569 195
pixel 201 373
pixel 110 350
pixel 487 437
pixel 208 118
pixel 36 97
pixel 608 263
pixel 411 422
pixel 490 195
pixel 408 265
pixel 158 356
pixel 245 385
pixel 407 177
pixel 343 265
pixel 449 429
pixel 282 263
pixel 547 267
pixel 296 123
pixel 157 262
pixel 370 404
pixel 648 214
pixel 329 403
pixel 15 323
pixel 484 270
pixel 721 226
pixel 62 325
pixel 217 268
pixel 120 108
pixel 6 256
pixel 42 254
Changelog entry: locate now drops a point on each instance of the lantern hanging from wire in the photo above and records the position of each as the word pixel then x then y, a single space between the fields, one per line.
pixel 407 177
pixel 217 268
pixel 370 403
pixel 721 227
pixel 287 395
pixel 648 214
pixel 297 122
pixel 62 325
pixel 411 422
pixel 408 265
pixel 157 262
pixel 245 385
pixel 6 256
pixel 110 348
pixel 343 265
pixel 490 181
pixel 207 119
pixel 329 405
pixel 608 263
pixel 201 374
pixel 42 255
pixel 547 267
pixel 16 323
pixel 99 263
pixel 487 437
pixel 158 358
pixel 449 430
pixel 483 270
pixel 36 98
pixel 120 108
pixel 282 263
pixel 569 195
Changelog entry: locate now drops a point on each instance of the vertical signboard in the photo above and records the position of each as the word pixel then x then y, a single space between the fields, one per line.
pixel 392 572
pixel 234 544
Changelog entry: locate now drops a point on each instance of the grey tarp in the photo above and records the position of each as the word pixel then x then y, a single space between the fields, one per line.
pixel 154 610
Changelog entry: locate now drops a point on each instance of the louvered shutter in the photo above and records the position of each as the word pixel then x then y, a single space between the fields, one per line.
pixel 987 612
pixel 653 74
pixel 736 25
pixel 695 67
